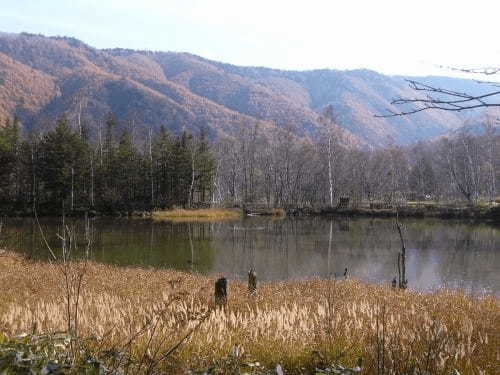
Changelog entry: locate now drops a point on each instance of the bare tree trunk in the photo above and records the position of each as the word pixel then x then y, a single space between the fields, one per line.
pixel 80 119
pixel 33 191
pixel 217 187
pixel 72 188
pixel 493 190
pixel 100 142
pixel 191 188
pixel 330 177
pixel 463 186
pixel 329 248
pixel 491 142
pixel 92 179
pixel 151 167
pixel 473 173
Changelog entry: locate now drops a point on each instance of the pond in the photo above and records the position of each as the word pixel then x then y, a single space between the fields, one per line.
pixel 439 253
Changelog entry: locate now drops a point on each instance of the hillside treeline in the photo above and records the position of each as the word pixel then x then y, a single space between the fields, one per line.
pixel 115 168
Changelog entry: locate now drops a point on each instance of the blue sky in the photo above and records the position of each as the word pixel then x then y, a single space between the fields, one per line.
pixel 395 37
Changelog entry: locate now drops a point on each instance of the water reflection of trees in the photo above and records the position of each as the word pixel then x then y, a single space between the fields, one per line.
pixel 439 253
pixel 456 254
pixel 185 246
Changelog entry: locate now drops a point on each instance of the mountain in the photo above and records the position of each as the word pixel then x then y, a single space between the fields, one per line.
pixel 44 77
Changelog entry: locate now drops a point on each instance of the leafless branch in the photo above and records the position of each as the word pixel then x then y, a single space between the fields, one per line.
pixel 440 98
pixel 489 70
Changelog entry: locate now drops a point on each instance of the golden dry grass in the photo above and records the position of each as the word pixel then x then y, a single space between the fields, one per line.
pixel 294 323
pixel 206 214
pixel 278 212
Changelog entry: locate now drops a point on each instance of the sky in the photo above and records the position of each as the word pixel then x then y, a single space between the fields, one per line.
pixel 392 37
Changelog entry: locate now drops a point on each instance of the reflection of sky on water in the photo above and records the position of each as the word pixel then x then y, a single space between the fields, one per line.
pixel 439 253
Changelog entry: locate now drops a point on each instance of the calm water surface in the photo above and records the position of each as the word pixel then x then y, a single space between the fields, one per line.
pixel 439 253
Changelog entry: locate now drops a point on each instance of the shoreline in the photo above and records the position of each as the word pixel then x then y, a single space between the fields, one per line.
pixel 475 213
pixel 480 214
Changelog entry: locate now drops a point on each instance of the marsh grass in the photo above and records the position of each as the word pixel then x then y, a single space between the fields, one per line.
pixel 280 212
pixel 131 317
pixel 206 214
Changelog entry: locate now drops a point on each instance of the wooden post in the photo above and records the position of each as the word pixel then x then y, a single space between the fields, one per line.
pixel 221 292
pixel 252 282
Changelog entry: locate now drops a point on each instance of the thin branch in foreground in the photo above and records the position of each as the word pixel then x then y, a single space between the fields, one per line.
pixel 489 70
pixel 441 99
pixel 52 254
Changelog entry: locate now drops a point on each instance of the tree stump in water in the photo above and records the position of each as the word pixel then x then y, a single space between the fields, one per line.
pixel 252 282
pixel 221 292
pixel 403 281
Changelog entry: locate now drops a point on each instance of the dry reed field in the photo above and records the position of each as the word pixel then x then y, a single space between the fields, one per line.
pixel 163 321
pixel 204 213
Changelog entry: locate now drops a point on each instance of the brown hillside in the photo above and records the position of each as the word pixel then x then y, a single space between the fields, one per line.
pixel 43 77
pixel 131 88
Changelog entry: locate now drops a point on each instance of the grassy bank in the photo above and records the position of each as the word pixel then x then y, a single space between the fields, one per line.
pixel 474 213
pixel 134 316
pixel 197 214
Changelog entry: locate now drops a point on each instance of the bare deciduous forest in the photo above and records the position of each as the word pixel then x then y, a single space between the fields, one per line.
pixel 109 168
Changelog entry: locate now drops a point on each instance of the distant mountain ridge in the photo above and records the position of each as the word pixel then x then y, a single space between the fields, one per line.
pixel 43 77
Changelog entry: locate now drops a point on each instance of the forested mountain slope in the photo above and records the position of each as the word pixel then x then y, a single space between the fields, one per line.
pixel 44 77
